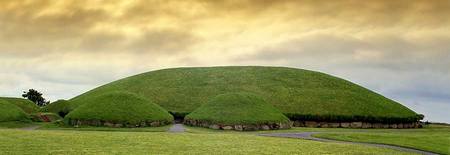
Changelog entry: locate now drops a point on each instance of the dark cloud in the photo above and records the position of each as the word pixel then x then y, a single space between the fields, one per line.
pixel 383 51
pixel 163 42
pixel 27 21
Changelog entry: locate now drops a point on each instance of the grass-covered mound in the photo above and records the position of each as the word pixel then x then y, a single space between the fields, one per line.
pixel 239 111
pixel 45 117
pixel 11 112
pixel 60 107
pixel 299 94
pixel 26 105
pixel 119 109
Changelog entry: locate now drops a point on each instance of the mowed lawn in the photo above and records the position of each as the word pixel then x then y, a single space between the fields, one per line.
pixel 14 141
pixel 435 138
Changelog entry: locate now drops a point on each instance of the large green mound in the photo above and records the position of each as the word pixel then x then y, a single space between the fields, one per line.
pixel 299 94
pixel 11 112
pixel 26 105
pixel 60 107
pixel 232 109
pixel 119 109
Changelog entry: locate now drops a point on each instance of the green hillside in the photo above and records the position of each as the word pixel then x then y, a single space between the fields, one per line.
pixel 237 109
pixel 119 108
pixel 60 107
pixel 26 105
pixel 11 112
pixel 298 93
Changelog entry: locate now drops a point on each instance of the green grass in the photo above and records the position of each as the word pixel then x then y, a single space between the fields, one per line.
pixel 17 124
pixel 120 107
pixel 26 105
pixel 434 139
pixel 60 107
pixel 99 142
pixel 296 92
pixel 237 108
pixel 11 112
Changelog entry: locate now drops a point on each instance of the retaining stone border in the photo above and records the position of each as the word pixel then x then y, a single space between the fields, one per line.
pixel 117 124
pixel 364 125
pixel 239 127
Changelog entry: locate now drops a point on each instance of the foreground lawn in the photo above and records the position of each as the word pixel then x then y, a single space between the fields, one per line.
pixel 17 124
pixel 435 138
pixel 13 141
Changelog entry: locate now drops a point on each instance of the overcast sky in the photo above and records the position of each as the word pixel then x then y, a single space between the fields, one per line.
pixel 400 48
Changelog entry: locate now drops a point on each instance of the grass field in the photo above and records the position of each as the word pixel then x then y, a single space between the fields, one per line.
pixel 293 91
pixel 100 142
pixel 52 138
pixel 435 139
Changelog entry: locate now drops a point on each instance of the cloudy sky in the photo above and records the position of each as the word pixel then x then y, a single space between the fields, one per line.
pixel 400 49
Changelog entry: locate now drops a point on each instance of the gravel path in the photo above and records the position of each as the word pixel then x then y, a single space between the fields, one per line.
pixel 307 135
pixel 177 128
pixel 30 127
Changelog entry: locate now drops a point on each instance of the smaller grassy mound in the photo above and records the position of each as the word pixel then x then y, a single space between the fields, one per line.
pixel 45 117
pixel 26 105
pixel 11 112
pixel 238 111
pixel 60 107
pixel 119 109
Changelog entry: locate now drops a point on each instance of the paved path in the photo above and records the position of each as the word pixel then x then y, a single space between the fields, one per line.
pixel 307 135
pixel 34 127
pixel 177 128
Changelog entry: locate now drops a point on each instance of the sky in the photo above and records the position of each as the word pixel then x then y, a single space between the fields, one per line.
pixel 400 49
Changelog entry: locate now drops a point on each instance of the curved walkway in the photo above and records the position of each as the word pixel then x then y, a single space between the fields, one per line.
pixel 176 128
pixel 34 127
pixel 308 136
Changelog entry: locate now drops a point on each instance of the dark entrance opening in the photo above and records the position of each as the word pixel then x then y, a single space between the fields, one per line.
pixel 62 113
pixel 178 117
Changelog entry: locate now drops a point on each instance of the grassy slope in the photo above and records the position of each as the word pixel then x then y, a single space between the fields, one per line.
pixel 58 106
pixel 436 139
pixel 291 90
pixel 97 142
pixel 11 112
pixel 26 105
pixel 238 108
pixel 120 107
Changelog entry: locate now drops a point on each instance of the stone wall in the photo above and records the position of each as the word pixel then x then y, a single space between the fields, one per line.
pixel 364 125
pixel 239 127
pixel 117 124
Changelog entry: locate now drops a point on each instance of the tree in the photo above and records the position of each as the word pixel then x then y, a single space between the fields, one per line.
pixel 36 97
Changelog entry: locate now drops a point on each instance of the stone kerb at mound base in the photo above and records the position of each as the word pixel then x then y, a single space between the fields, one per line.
pixel 118 124
pixel 363 125
pixel 239 127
